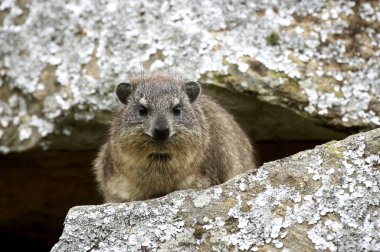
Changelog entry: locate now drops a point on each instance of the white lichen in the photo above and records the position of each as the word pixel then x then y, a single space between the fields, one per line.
pixel 91 48
pixel 203 199
pixel 339 212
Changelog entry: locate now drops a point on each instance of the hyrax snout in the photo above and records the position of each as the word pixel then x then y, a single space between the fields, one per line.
pixel 167 137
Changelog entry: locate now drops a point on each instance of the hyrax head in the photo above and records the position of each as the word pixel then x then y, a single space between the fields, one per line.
pixel 158 108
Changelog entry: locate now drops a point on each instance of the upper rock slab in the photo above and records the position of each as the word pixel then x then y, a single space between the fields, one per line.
pixel 61 60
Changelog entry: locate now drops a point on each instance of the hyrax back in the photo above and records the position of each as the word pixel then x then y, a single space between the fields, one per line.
pixel 167 138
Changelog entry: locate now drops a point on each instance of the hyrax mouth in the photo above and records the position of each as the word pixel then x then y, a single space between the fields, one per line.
pixel 162 157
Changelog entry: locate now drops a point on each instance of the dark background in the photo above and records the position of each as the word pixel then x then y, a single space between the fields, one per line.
pixel 38 188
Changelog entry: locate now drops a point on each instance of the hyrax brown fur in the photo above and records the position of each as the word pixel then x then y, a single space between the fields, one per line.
pixel 166 138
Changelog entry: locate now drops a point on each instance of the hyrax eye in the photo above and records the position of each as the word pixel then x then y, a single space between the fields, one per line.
pixel 177 110
pixel 143 110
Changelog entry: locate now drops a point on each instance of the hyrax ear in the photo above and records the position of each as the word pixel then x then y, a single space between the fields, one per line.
pixel 123 90
pixel 193 89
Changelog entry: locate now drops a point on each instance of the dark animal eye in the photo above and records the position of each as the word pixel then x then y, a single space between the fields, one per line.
pixel 177 110
pixel 143 110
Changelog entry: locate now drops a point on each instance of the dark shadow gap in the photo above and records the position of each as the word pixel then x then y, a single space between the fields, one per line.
pixel 38 188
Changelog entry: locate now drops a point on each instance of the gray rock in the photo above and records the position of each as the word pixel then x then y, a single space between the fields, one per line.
pixel 314 62
pixel 322 199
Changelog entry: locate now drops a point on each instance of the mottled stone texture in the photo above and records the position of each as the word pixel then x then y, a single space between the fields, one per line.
pixel 322 199
pixel 59 62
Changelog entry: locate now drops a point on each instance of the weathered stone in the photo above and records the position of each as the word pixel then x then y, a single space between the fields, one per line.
pixel 59 62
pixel 322 199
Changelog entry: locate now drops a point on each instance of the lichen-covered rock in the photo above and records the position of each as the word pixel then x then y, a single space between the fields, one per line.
pixel 322 199
pixel 59 60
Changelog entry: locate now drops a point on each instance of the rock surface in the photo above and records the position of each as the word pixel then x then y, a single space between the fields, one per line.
pixel 322 199
pixel 59 62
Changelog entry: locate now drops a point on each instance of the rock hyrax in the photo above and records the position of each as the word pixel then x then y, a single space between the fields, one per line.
pixel 168 137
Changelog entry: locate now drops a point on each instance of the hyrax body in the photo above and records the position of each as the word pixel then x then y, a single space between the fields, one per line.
pixel 165 138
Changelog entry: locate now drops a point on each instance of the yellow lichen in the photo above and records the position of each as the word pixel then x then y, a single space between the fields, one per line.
pixel 334 150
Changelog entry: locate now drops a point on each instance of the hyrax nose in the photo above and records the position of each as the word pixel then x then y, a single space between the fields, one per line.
pixel 161 130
